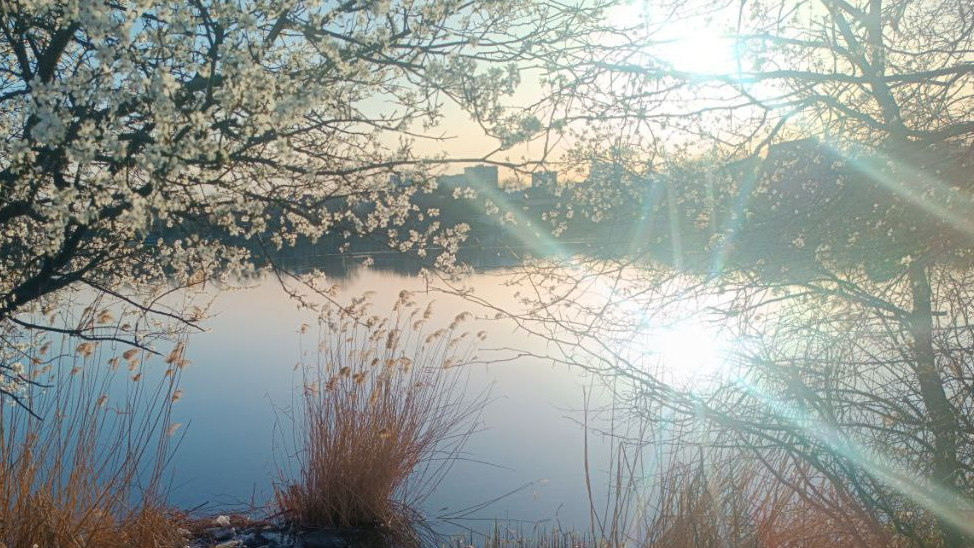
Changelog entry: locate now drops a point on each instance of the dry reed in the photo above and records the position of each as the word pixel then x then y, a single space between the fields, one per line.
pixel 385 413
pixel 90 471
pixel 694 494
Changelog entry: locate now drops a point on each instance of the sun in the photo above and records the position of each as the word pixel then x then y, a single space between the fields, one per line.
pixel 694 45
pixel 699 52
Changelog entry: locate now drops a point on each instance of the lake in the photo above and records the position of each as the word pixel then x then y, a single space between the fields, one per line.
pixel 527 457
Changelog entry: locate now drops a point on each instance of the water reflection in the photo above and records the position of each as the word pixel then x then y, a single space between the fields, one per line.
pixel 242 385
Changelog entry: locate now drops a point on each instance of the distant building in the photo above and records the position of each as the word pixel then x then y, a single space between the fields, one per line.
pixel 478 178
pixel 482 177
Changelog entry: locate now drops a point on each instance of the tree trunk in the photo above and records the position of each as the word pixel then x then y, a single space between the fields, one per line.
pixel 941 420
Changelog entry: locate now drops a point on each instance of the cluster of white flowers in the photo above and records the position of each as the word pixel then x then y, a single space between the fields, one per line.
pixel 12 379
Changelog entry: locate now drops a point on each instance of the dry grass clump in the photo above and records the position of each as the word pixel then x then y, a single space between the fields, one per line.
pixel 740 503
pixel 89 472
pixel 385 413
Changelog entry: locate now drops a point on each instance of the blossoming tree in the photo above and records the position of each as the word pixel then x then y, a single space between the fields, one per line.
pixel 220 124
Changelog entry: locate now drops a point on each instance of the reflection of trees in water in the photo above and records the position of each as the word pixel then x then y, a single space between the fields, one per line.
pixel 341 266
pixel 305 258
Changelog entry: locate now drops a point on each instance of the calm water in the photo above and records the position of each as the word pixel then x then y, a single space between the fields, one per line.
pixel 243 376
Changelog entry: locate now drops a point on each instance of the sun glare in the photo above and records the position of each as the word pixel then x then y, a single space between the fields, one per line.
pixel 685 343
pixel 690 351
